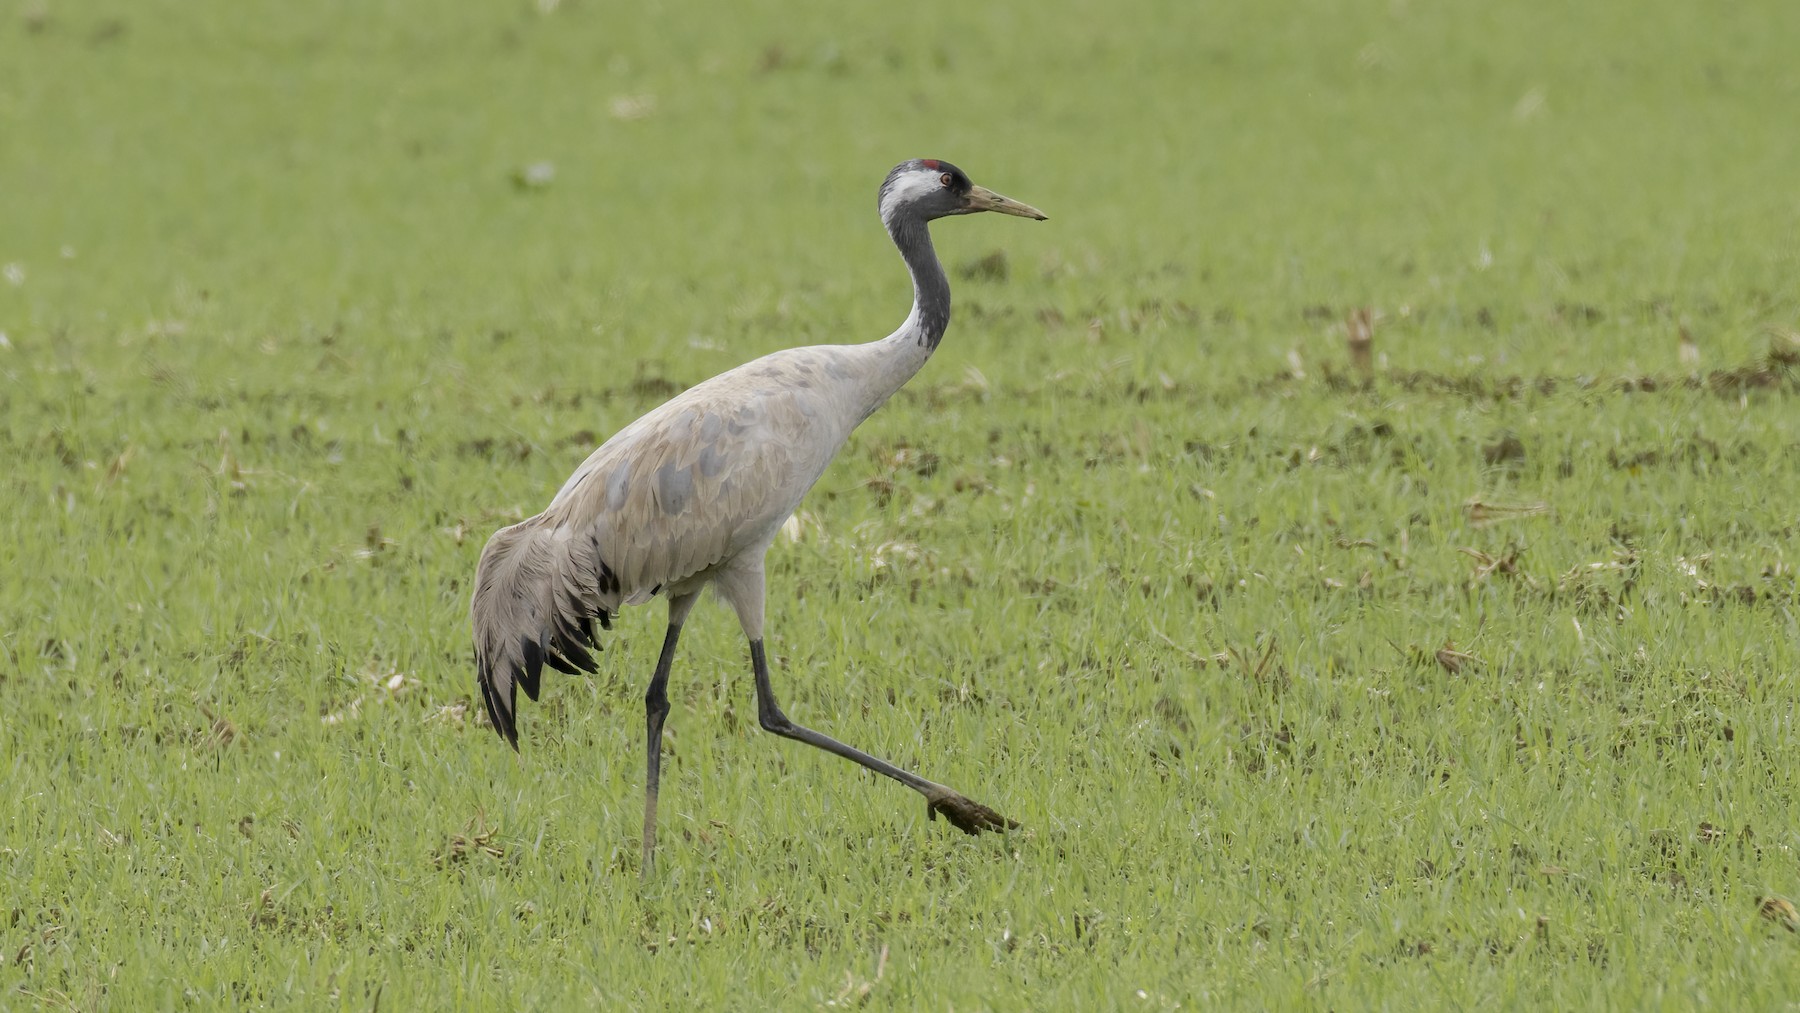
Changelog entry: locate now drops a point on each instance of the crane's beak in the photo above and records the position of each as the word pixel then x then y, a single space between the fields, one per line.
pixel 982 199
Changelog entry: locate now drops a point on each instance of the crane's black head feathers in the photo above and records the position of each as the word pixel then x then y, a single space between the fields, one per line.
pixel 925 188
pixel 959 180
pixel 959 184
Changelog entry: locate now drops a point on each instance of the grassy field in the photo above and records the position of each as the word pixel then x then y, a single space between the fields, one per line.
pixel 1466 676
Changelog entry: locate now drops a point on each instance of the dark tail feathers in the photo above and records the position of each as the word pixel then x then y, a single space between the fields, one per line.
pixel 532 607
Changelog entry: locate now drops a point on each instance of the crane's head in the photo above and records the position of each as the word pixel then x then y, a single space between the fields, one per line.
pixel 929 188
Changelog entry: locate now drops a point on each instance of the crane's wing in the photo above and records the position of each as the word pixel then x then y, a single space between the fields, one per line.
pixel 696 483
pixel 699 481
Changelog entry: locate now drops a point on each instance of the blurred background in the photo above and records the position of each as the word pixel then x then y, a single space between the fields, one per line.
pixel 664 171
pixel 1448 677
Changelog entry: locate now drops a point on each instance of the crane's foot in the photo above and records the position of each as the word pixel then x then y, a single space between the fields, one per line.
pixel 967 815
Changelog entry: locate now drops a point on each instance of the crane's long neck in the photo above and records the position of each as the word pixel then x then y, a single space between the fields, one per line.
pixel 895 358
pixel 931 290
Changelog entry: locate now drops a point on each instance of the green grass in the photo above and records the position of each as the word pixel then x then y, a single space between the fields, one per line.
pixel 1294 709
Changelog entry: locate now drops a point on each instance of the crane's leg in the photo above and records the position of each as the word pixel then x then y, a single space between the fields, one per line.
pixel 744 589
pixel 656 708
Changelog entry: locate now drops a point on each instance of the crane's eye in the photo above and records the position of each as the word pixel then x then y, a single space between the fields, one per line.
pixel 945 179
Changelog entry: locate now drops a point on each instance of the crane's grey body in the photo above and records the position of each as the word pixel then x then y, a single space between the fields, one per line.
pixel 711 476
pixel 694 492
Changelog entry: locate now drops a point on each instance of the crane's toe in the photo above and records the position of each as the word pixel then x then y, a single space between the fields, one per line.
pixel 967 815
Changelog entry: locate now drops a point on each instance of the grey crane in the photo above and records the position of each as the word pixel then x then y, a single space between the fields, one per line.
pixel 693 494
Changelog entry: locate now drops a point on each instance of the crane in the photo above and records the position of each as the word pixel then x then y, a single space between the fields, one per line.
pixel 693 493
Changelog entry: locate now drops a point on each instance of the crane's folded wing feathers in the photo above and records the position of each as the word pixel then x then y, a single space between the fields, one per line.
pixel 708 476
